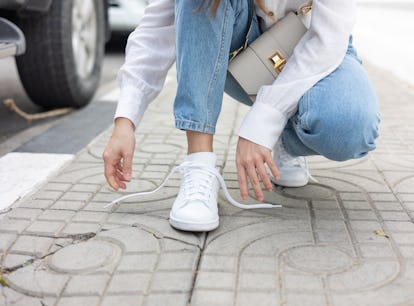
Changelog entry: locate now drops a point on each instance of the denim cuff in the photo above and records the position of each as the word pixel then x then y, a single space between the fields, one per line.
pixel 194 126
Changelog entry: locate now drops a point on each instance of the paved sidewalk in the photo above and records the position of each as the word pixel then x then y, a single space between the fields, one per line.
pixel 346 240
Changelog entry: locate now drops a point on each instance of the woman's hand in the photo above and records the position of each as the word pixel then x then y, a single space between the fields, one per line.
pixel 250 160
pixel 119 153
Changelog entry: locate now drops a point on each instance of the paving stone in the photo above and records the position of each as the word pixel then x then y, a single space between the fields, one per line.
pixel 80 228
pixel 48 195
pixel 6 240
pixel 258 299
pixel 84 257
pixel 388 206
pixel 68 205
pixel 129 283
pixel 178 261
pixel 124 300
pixel 356 205
pixel 218 263
pixel 57 186
pixel 85 188
pixel 258 281
pixel 172 281
pixel 15 260
pixel 36 204
pixel 180 299
pixel 376 250
pixel 138 262
pixel 32 245
pixel 407 251
pixel 78 301
pixel 56 215
pixel 398 226
pixel 303 281
pixel 305 299
pixel 361 215
pixel 24 213
pixel 90 216
pixel 36 281
pixel 212 298
pixel 86 285
pixel 395 216
pixel 215 280
pixel 47 228
pixel 403 238
pixel 77 196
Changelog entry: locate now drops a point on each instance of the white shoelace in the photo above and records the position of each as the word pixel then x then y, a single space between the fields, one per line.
pixel 213 171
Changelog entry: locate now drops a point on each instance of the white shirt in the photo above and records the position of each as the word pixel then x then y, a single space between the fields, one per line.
pixel 150 52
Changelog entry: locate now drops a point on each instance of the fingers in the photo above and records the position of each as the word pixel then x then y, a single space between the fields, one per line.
pixel 110 175
pixel 242 178
pixel 261 171
pixel 254 180
pixel 272 166
pixel 127 167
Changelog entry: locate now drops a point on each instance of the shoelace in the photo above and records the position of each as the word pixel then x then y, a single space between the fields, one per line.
pixel 212 171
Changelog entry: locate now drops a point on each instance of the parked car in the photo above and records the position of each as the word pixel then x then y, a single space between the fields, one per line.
pixel 125 15
pixel 59 47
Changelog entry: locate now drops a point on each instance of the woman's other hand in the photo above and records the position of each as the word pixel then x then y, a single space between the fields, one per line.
pixel 119 153
pixel 250 160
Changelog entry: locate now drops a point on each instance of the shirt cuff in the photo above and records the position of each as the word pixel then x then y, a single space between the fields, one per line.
pixel 263 125
pixel 131 104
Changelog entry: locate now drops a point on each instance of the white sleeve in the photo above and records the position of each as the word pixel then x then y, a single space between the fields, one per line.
pixel 150 53
pixel 319 52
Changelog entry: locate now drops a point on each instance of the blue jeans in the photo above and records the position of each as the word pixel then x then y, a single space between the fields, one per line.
pixel 337 118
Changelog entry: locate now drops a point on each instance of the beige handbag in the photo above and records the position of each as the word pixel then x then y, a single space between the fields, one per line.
pixel 261 62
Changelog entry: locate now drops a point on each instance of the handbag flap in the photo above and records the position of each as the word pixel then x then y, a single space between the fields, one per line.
pixel 252 68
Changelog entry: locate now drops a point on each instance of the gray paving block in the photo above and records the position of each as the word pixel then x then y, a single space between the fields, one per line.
pixel 178 261
pixel 32 245
pixel 24 213
pixel 129 283
pixel 212 298
pixel 215 280
pixel 78 301
pixel 5 241
pixel 124 300
pixel 138 262
pixel 86 285
pixel 172 281
pixel 47 228
pixel 179 299
pixel 56 215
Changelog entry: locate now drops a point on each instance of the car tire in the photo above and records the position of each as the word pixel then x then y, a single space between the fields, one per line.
pixel 63 61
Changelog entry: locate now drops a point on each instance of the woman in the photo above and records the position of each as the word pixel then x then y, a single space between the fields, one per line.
pixel 322 103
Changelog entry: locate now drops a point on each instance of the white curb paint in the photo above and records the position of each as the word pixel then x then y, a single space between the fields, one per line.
pixel 21 173
pixel 111 96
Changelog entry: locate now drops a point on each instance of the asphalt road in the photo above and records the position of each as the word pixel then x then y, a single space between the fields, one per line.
pixel 69 133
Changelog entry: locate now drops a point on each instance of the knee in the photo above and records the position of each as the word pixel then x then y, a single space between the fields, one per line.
pixel 348 135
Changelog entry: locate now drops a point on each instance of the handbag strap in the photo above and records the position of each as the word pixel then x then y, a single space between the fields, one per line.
pixel 250 23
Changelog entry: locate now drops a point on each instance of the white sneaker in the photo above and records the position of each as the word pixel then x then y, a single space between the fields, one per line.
pixel 293 171
pixel 195 208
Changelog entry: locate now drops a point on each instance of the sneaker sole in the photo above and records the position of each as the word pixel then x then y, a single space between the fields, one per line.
pixel 193 227
pixel 290 183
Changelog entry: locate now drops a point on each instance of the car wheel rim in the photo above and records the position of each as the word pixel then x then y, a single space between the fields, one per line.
pixel 84 36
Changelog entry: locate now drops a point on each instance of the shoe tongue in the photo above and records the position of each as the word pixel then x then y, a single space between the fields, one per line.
pixel 206 158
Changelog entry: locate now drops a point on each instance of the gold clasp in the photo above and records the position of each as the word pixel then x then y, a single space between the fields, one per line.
pixel 278 61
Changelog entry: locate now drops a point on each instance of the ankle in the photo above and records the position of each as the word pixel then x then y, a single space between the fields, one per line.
pixel 199 142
